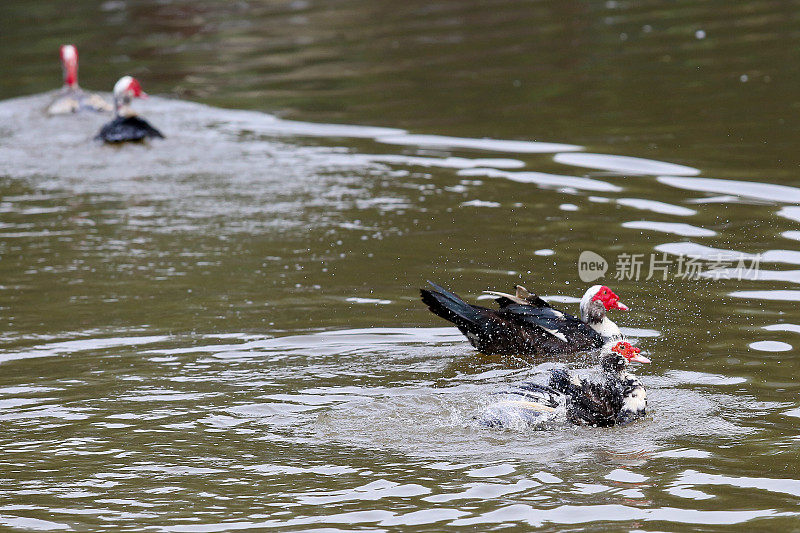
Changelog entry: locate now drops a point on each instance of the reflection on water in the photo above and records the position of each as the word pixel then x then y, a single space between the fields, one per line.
pixel 222 331
pixel 439 141
pixel 625 165
pixel 567 183
pixel 657 207
pixel 676 228
pixel 189 233
pixel 760 191
pixel 771 346
pixel 227 414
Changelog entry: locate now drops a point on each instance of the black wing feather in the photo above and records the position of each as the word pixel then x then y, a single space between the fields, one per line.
pixel 515 328
pixel 578 334
pixel 587 403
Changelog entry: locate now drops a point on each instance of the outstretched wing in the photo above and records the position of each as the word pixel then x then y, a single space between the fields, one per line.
pixel 522 297
pixel 529 297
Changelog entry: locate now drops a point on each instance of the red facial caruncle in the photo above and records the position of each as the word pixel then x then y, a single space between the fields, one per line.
pixel 609 299
pixel 630 352
pixel 136 89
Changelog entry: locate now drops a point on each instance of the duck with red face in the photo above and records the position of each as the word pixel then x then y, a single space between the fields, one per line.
pixel 71 98
pixel 525 324
pixel 596 302
pixel 127 126
pixel 618 399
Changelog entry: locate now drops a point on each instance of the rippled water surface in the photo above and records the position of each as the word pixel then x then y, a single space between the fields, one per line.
pixel 222 330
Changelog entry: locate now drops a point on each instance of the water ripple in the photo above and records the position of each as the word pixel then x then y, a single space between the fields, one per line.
pixel 748 189
pixel 624 164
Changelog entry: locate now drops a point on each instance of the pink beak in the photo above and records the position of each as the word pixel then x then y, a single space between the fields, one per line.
pixel 622 307
pixel 639 358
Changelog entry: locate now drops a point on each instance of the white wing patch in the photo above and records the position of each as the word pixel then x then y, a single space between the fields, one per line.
pixel 556 334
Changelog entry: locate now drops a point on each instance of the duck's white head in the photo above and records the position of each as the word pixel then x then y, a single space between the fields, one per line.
pixel 69 62
pixel 594 297
pixel 128 87
pixel 125 90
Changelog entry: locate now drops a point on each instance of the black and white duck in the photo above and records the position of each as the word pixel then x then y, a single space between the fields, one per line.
pixel 618 399
pixel 127 126
pixel 525 324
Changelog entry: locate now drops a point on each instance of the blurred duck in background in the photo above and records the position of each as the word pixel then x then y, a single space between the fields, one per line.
pixel 127 126
pixel 71 98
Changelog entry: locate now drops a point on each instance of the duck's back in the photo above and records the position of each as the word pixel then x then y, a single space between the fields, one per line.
pixel 125 129
pixel 75 100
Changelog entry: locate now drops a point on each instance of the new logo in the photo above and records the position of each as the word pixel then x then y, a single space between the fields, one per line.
pixel 591 266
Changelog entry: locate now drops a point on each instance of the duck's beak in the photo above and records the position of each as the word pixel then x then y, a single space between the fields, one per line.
pixel 639 358
pixel 621 306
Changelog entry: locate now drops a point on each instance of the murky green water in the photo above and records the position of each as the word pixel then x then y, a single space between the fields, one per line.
pixel 222 330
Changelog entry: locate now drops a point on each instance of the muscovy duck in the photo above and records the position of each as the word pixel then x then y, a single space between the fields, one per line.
pixel 617 400
pixel 527 325
pixel 71 98
pixel 126 126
